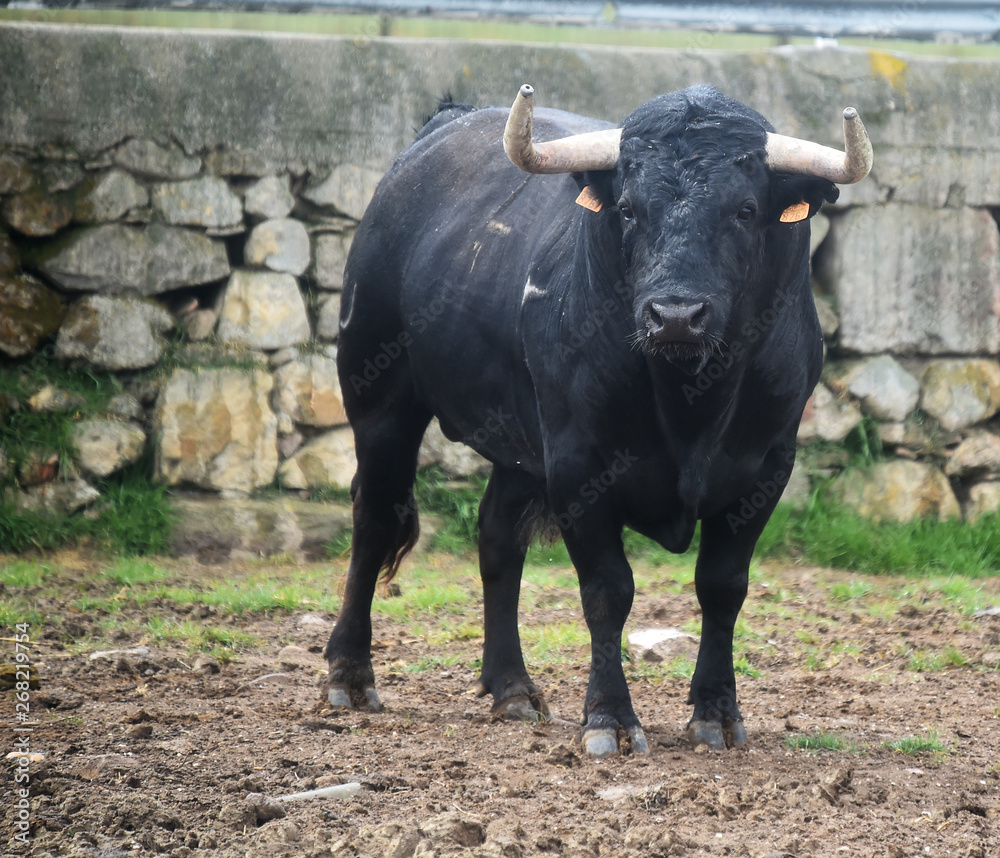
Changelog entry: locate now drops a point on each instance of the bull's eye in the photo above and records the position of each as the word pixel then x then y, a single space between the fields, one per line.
pixel 747 212
pixel 625 210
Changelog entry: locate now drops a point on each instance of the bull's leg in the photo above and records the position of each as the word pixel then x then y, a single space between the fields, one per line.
pixel 607 589
pixel 502 545
pixel 721 579
pixel 385 528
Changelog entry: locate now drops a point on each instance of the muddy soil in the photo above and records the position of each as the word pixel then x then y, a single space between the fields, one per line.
pixel 154 751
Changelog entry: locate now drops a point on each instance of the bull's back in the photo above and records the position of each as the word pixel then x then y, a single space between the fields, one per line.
pixel 438 265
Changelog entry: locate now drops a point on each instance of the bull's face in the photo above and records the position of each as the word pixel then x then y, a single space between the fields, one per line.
pixel 694 187
pixel 698 210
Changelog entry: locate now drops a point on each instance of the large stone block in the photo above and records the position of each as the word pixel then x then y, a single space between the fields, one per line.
pixel 29 312
pixel 827 417
pixel 897 490
pixel 149 260
pixel 263 310
pixel 976 457
pixel 110 197
pixel 205 201
pixel 307 390
pixel 149 159
pixel 114 332
pixel 346 190
pixel 269 198
pixel 217 430
pixel 280 245
pixel 328 461
pixel 331 257
pixel 960 393
pixel 914 280
pixel 219 528
pixel 883 387
pixel 38 213
pixel 328 317
pixel 106 446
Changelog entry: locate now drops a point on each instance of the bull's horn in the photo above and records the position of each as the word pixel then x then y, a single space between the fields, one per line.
pixel 595 150
pixel 792 155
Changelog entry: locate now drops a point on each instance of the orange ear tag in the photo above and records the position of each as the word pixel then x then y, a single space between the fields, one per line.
pixel 588 200
pixel 795 213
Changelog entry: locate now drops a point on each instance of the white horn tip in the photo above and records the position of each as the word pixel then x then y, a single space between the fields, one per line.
pixel 527 90
pixel 850 113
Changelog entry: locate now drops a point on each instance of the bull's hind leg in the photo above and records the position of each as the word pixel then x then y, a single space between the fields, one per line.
pixel 508 500
pixel 385 528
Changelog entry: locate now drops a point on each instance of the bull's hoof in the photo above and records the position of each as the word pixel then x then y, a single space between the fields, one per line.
pixel 603 741
pixel 340 697
pixel 717 734
pixel 524 707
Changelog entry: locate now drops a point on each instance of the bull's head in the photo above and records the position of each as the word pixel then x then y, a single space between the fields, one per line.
pixel 700 183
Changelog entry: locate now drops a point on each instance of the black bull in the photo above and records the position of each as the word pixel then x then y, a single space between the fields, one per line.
pixel 642 362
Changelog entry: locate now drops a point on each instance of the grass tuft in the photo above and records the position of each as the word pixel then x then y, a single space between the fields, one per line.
pixel 816 742
pixel 914 745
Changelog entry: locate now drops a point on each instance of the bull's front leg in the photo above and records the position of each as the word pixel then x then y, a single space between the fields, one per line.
pixel 721 584
pixel 607 589
pixel 721 580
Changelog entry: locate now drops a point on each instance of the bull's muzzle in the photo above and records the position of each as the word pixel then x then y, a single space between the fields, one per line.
pixel 677 330
pixel 670 322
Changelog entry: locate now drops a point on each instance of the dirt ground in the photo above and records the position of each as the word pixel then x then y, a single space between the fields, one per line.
pixel 149 751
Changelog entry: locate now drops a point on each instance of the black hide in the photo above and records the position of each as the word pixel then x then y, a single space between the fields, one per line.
pixel 645 365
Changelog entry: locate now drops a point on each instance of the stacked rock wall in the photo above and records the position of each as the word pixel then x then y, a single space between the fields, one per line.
pixel 176 209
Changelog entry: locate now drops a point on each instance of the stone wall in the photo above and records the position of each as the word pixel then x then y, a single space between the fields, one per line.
pixel 176 209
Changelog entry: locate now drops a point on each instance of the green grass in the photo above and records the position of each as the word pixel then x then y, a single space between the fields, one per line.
pixel 743 667
pixel 821 534
pixel 456 503
pixel 222 643
pixel 132 518
pixel 916 745
pixel 555 642
pixel 128 572
pixel 24 431
pixel 932 661
pixel 826 534
pixel 851 590
pixel 366 26
pixel 816 742
pixel 433 662
pixel 24 573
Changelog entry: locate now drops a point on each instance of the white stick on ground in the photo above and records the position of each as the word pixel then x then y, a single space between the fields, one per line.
pixel 338 791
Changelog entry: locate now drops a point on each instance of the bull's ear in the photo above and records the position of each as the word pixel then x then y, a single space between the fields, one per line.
pixel 595 189
pixel 795 198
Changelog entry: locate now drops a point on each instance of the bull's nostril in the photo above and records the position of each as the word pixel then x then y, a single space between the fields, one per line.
pixel 677 322
pixel 699 319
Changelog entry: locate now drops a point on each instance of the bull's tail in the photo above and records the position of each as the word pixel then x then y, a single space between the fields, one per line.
pixel 403 540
